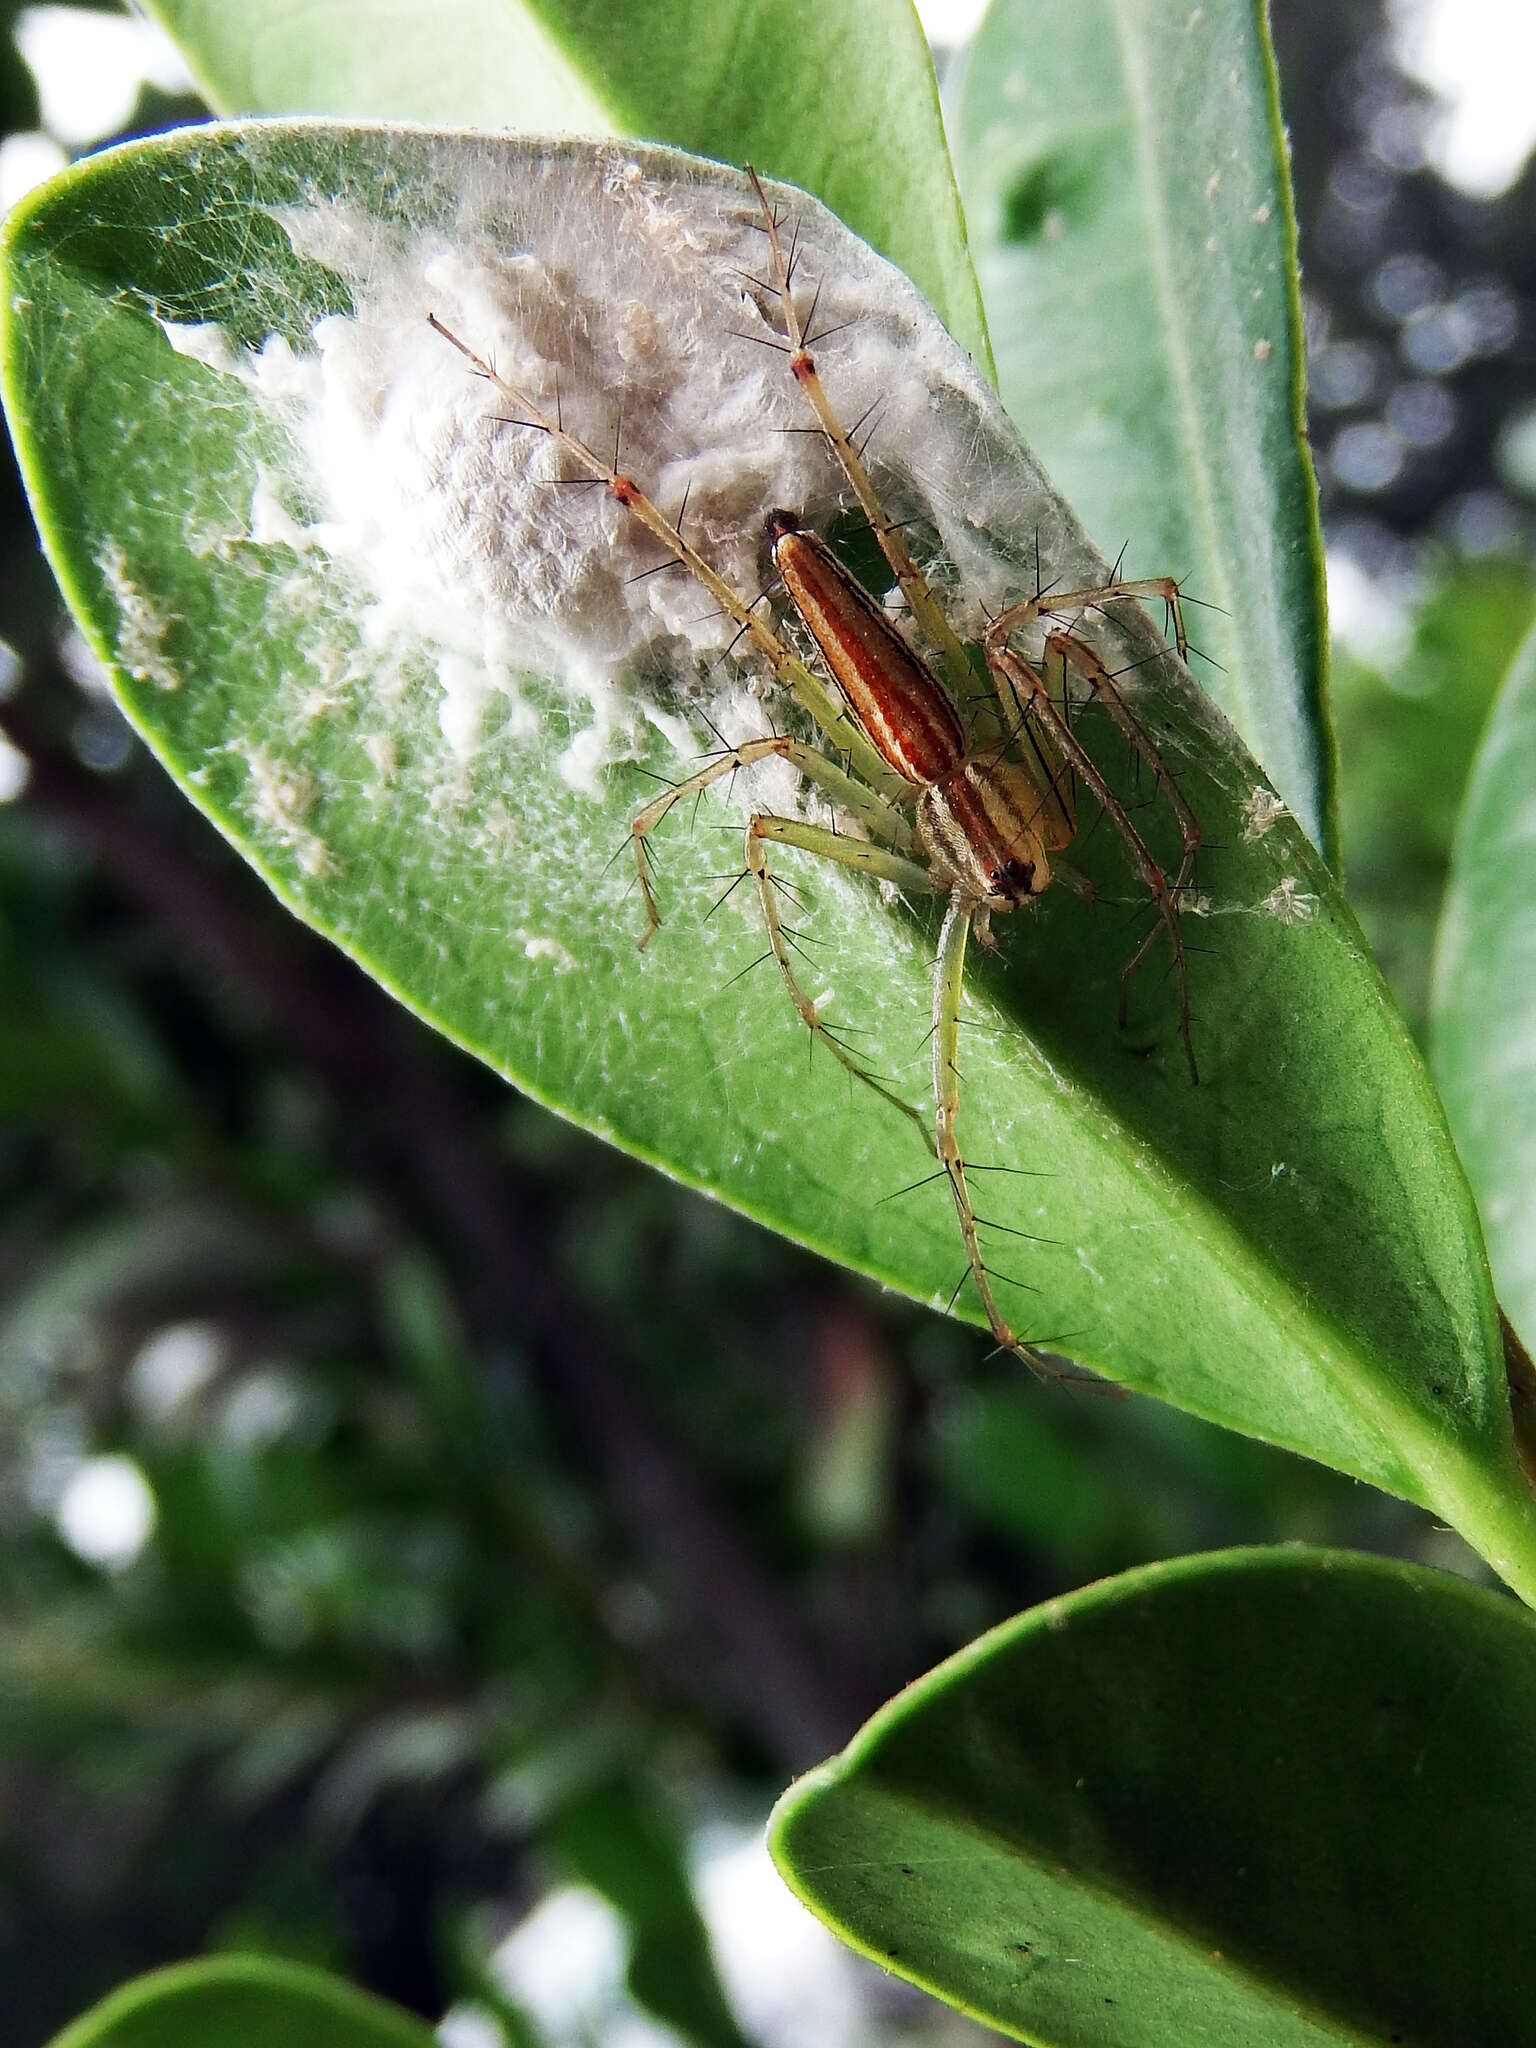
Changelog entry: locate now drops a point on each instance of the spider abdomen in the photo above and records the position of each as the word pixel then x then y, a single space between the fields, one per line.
pixel 898 700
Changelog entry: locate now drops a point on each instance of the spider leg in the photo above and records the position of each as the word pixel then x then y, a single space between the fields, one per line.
pixel 1053 603
pixel 877 816
pixel 808 689
pixel 924 606
pixel 1165 893
pixel 850 853
pixel 948 988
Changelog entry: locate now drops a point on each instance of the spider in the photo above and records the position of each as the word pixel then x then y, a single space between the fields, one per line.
pixel 961 777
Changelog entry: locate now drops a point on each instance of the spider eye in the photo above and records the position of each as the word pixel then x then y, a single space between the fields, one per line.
pixel 1013 877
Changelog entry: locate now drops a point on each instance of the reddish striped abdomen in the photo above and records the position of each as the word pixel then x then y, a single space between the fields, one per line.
pixel 895 696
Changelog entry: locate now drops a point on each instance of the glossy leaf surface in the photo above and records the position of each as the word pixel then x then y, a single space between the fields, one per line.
pixel 1408 741
pixel 1288 1248
pixel 235 2001
pixel 1484 1017
pixel 722 78
pixel 1125 180
pixel 1276 1797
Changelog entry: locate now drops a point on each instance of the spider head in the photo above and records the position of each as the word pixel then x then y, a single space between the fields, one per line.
pixel 1013 879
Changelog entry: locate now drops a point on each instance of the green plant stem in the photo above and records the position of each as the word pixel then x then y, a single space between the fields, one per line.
pixel 1495 1510
pixel 1521 1374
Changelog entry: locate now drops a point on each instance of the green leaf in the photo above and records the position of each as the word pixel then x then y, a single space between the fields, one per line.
pixel 1484 1009
pixel 617 1843
pixel 1269 1797
pixel 838 98
pixel 1124 174
pixel 237 2001
pixel 426 695
pixel 1408 736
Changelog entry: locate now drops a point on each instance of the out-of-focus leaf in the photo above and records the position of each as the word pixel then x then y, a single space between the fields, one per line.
pixel 1283 1798
pixel 1484 1018
pixel 130 1263
pixel 238 2001
pixel 618 1845
pixel 1408 734
pixel 1125 179
pixel 813 95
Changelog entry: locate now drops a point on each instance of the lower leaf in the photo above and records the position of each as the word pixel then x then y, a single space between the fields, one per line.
pixel 1269 1797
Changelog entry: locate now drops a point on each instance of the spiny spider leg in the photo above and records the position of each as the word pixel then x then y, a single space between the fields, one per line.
pixel 914 724
pixel 1013 740
pixel 924 606
pixel 878 818
pixel 966 792
pixel 948 991
pixel 948 994
pixel 1025 680
pixel 872 797
pixel 1051 603
pixel 807 688
pixel 852 853
pixel 884 859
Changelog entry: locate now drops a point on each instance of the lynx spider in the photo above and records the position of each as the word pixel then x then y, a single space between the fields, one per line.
pixel 972 805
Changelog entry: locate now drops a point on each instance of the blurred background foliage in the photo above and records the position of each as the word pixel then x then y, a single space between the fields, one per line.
pixel 427 1539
